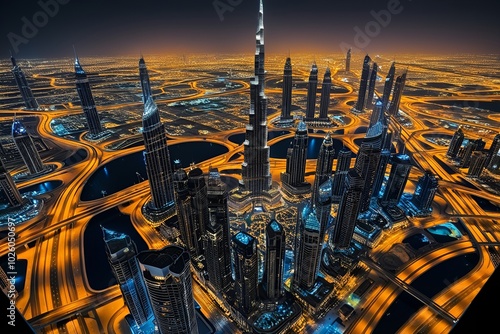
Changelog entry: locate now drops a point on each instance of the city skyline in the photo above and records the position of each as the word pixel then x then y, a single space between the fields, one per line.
pixel 389 27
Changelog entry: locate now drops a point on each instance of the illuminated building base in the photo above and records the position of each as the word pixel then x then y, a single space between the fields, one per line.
pixel 241 201
pixel 155 216
pixel 21 214
pixel 98 137
pixel 27 176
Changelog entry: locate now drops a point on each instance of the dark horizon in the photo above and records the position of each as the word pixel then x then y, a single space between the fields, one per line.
pixel 101 28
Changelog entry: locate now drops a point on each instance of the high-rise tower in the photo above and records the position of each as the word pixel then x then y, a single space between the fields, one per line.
pixel 9 188
pixel 121 252
pixel 398 93
pixel 477 163
pixel 347 214
pixel 348 61
pixel 274 260
pixel 456 143
pixel 425 191
pixel 385 156
pixel 245 271
pixel 325 95
pixel 27 148
pixel 217 234
pixel 169 285
pixel 360 104
pixel 493 150
pixel 87 101
pixel 286 104
pixel 157 159
pixel 324 166
pixel 144 77
pixel 371 86
pixel 312 91
pixel 389 82
pixel 400 170
pixel 26 93
pixel 294 176
pixel 256 170
pixel 343 165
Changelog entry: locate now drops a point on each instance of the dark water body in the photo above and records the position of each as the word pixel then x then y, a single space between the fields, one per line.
pixel 21 266
pixel 361 129
pixel 485 204
pixel 99 273
pixel 42 188
pixel 417 241
pixel 120 173
pixel 279 149
pixel 429 283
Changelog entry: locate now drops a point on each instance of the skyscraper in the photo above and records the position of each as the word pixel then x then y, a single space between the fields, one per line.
pixel 286 104
pixel 325 95
pixel 494 149
pixel 157 160
pixel 385 155
pixel 245 271
pixel 307 249
pixel 324 166
pixel 360 104
pixel 348 61
pixel 312 91
pixel 274 260
pixel 169 285
pixel 343 166
pixel 26 93
pixel 9 188
pixel 371 87
pixel 323 206
pixel 367 162
pixel 477 163
pixel 87 101
pixel 472 145
pixel 121 252
pixel 456 143
pixel 389 82
pixel 425 191
pixel 218 248
pixel 376 113
pixel 256 170
pixel 144 77
pixel 294 175
pixel 398 93
pixel 400 170
pixel 347 214
pixel 27 148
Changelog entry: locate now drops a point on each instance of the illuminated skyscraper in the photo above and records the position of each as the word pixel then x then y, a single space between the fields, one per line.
pixel 324 166
pixel 398 93
pixel 348 61
pixel 325 95
pixel 385 155
pixel 294 176
pixel 27 148
pixel 347 214
pixel 376 113
pixel 425 191
pixel 343 166
pixel 256 171
pixel 323 206
pixel 87 101
pixel 217 234
pixel 477 163
pixel 144 77
pixel 400 170
pixel 360 104
pixel 8 188
pixel 371 86
pixel 26 93
pixel 367 162
pixel 121 252
pixel 274 260
pixel 389 82
pixel 246 270
pixel 286 104
pixel 472 145
pixel 312 91
pixel 157 160
pixel 169 285
pixel 456 143
pixel 494 149
pixel 307 249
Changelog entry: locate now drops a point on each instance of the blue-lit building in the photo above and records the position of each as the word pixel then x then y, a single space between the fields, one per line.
pixel 121 252
pixel 324 166
pixel 170 289
pixel 400 170
pixel 27 149
pixel 272 281
pixel 9 191
pixel 246 272
pixel 24 88
pixel 425 191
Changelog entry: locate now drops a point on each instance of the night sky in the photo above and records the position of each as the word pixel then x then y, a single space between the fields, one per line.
pixel 131 27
